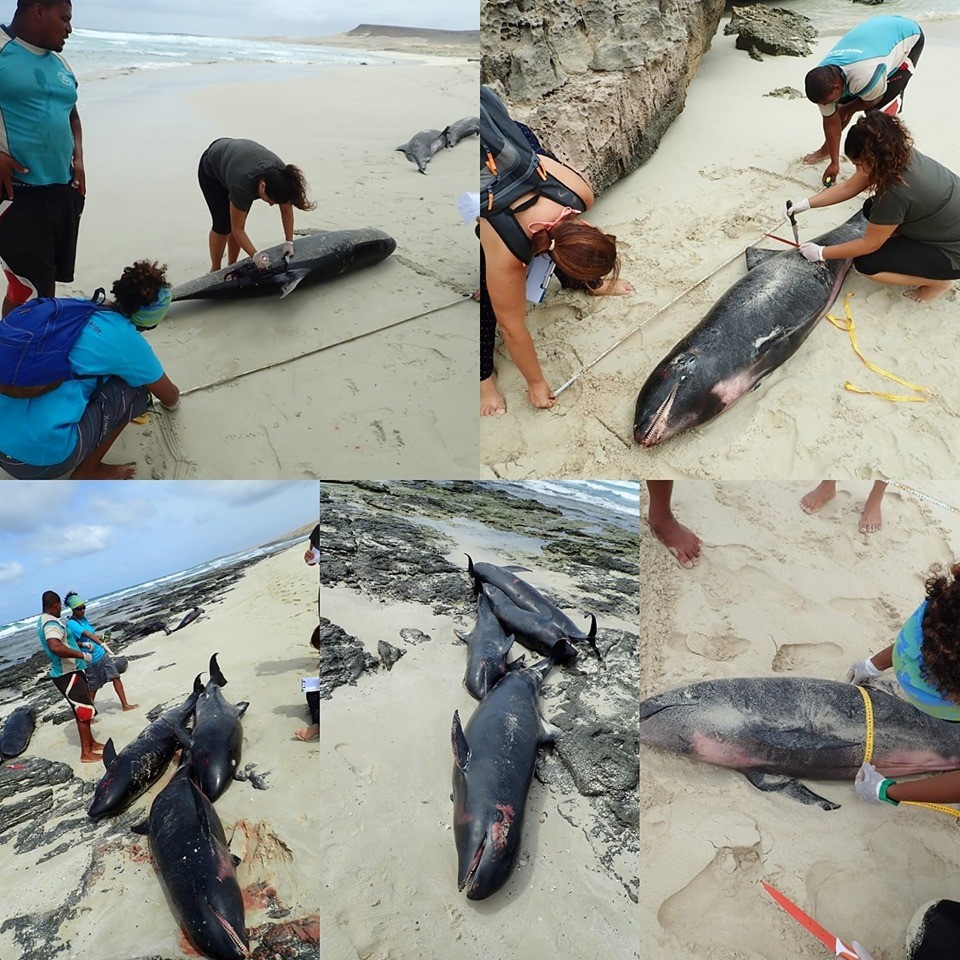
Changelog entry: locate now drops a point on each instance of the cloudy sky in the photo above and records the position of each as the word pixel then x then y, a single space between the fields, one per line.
pixel 99 537
pixel 243 18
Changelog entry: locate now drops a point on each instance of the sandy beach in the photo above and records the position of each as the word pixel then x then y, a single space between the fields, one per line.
pixel 393 570
pixel 717 182
pixel 392 402
pixel 780 593
pixel 82 889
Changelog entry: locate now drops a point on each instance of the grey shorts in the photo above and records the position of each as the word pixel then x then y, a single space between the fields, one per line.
pixel 101 673
pixel 114 403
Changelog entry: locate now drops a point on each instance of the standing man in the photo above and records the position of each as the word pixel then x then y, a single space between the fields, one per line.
pixel 67 664
pixel 868 69
pixel 42 183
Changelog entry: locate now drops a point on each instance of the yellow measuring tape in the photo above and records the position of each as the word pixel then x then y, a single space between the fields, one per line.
pixel 868 755
pixel 849 327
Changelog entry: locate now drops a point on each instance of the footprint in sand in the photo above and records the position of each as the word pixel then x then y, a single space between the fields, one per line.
pixel 363 773
pixel 805 657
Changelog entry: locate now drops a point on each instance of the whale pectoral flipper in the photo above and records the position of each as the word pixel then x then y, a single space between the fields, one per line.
pixel 290 285
pixel 461 750
pixel 789 787
pixel 549 733
pixel 109 754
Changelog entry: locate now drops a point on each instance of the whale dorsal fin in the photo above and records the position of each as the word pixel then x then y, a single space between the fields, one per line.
pixel 756 255
pixel 242 707
pixel 461 750
pixel 109 754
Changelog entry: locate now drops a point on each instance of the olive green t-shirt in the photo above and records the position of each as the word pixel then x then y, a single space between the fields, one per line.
pixel 239 165
pixel 926 206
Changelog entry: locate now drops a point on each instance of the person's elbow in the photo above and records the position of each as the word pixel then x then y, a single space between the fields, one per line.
pixel 166 391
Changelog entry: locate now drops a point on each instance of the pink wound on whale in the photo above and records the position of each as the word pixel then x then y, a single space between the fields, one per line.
pixel 719 752
pixel 501 828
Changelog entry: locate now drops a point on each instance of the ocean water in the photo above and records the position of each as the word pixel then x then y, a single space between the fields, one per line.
pixel 18 640
pixel 95 54
pixel 835 17
pixel 613 501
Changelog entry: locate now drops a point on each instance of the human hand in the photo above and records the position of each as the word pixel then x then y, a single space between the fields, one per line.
pixel 792 209
pixel 831 174
pixel 812 252
pixel 861 672
pixel 7 167
pixel 286 251
pixel 261 259
pixel 87 658
pixel 868 783
pixel 86 644
pixel 540 394
pixel 79 181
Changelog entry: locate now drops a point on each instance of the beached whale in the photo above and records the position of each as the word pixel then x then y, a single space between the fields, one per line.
pixel 775 729
pixel 17 731
pixel 460 130
pixel 487 649
pixel 191 855
pixel 319 256
pixel 759 323
pixel 494 760
pixel 217 736
pixel 422 146
pixel 141 762
pixel 542 624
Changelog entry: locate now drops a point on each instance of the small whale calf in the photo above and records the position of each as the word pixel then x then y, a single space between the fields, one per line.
pixel 421 147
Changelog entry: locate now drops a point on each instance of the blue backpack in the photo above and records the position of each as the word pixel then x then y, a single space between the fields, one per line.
pixel 35 343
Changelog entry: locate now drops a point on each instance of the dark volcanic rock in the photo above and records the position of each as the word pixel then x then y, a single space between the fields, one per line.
pixel 787 93
pixel 342 658
pixel 389 654
pixel 771 30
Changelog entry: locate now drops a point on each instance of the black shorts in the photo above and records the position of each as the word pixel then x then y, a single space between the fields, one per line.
pixel 38 239
pixel 912 258
pixel 74 687
pixel 217 197
pixel 113 403
pixel 898 80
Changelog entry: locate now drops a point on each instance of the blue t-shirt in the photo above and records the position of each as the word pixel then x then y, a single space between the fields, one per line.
pixel 49 627
pixel 908 664
pixel 42 431
pixel 38 92
pixel 75 627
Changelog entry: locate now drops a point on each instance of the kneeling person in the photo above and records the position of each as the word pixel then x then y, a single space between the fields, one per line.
pixel 107 371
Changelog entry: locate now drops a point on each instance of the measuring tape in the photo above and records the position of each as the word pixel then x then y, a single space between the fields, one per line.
pixel 868 756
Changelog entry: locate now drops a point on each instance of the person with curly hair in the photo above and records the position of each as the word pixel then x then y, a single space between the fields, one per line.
pixel 542 221
pixel 912 237
pixel 926 660
pixel 868 69
pixel 65 429
pixel 232 174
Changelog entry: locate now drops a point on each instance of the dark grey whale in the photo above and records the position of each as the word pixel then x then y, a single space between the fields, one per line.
pixel 422 146
pixel 487 649
pixel 776 729
pixel 460 130
pixel 319 256
pixel 17 731
pixel 758 324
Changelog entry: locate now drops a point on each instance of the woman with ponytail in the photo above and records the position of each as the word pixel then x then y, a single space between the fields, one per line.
pixel 537 223
pixel 234 173
pixel 912 237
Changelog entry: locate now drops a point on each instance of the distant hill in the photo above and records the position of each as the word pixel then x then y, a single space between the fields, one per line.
pixel 416 33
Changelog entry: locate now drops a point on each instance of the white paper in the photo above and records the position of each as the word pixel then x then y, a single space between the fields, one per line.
pixel 310 685
pixel 469 206
pixel 314 556
pixel 538 277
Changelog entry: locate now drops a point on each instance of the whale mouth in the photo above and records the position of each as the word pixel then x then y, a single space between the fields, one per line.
pixel 474 866
pixel 658 425
pixel 233 935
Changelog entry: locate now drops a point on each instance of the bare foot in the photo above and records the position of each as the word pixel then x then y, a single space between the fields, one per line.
pixel 621 288
pixel 91 757
pixel 870 519
pixel 681 541
pixel 96 746
pixel 308 733
pixel 476 295
pixel 115 471
pixel 821 494
pixel 492 403
pixel 131 706
pixel 929 291
pixel 817 156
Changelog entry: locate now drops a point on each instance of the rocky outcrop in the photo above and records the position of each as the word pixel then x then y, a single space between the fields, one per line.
pixel 599 81
pixel 771 30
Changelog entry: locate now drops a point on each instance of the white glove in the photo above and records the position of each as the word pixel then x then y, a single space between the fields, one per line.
pixel 261 259
pixel 172 406
pixel 86 645
pixel 792 209
pixel 861 951
pixel 868 783
pixel 861 672
pixel 87 658
pixel 286 251
pixel 812 251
